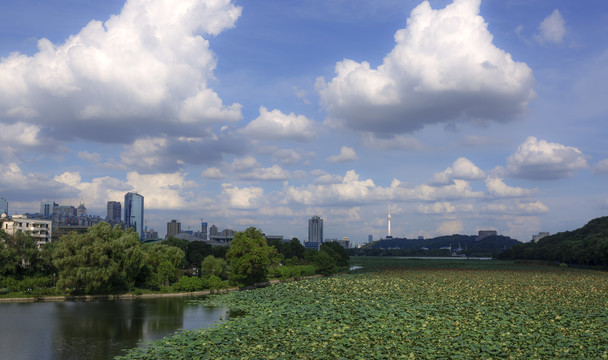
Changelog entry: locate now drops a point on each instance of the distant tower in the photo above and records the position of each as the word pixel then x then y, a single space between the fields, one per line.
pixel 81 210
pixel 134 212
pixel 389 219
pixel 204 229
pixel 3 206
pixel 315 229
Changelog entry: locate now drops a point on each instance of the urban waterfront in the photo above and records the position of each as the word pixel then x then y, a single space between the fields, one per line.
pixel 94 330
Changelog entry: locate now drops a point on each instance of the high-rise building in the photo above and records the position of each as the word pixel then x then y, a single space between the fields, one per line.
pixel 213 230
pixel 134 212
pixel 47 208
pixel 204 230
pixel 315 229
pixel 3 206
pixel 173 228
pixel 114 210
pixel 370 239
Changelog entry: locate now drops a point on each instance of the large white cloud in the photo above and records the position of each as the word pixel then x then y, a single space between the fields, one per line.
pixel 160 191
pixel 541 160
pixel 143 71
pixel 350 189
pixel 275 125
pixel 443 68
pixel 243 198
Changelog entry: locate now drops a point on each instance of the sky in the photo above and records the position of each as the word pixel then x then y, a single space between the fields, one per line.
pixel 466 115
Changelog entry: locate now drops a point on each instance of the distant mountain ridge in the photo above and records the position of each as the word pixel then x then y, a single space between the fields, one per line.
pixel 586 246
pixel 466 245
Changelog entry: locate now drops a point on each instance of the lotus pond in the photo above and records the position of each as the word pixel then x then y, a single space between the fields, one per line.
pixel 483 310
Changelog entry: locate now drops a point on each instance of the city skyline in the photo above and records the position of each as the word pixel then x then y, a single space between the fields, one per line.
pixel 466 114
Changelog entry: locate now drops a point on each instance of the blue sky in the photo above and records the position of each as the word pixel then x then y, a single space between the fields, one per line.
pixel 466 115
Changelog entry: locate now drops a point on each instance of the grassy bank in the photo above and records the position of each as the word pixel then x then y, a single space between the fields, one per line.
pixel 410 309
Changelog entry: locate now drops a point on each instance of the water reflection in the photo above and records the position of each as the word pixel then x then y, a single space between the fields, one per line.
pixel 93 330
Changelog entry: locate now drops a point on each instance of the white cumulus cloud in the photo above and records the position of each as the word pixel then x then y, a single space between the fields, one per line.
pixel 462 169
pixel 443 68
pixel 243 198
pixel 143 71
pixel 497 188
pixel 541 160
pixel 276 125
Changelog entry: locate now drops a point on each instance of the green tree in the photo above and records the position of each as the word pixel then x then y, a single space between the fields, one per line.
pixel 163 264
pixel 250 257
pixel 18 254
pixel 178 243
pixel 337 252
pixel 105 259
pixel 214 266
pixel 293 248
pixel 196 253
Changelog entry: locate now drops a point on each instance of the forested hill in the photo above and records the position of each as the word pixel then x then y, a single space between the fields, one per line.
pixel 468 244
pixel 585 246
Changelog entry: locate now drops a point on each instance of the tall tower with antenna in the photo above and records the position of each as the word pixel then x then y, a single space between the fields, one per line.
pixel 389 220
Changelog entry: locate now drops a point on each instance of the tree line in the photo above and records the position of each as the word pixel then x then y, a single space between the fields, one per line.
pixel 587 246
pixel 110 260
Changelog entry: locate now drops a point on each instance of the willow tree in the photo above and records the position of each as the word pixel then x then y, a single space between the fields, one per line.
pixel 105 259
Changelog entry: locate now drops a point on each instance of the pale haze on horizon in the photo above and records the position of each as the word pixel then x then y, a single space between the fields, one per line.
pixel 465 114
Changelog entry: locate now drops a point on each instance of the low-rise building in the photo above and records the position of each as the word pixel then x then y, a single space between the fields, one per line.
pixel 40 230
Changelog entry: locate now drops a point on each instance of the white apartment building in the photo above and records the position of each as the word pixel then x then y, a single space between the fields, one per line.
pixel 40 230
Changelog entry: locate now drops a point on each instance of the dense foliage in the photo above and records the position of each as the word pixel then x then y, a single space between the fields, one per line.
pixel 105 259
pixel 416 311
pixel 109 260
pixel 585 246
pixel 250 258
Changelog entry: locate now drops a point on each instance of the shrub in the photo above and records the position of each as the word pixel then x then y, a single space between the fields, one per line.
pixel 190 284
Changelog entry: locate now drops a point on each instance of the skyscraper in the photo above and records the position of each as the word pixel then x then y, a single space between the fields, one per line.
pixel 204 229
pixel 134 212
pixel 173 228
pixel 315 229
pixel 114 210
pixel 3 206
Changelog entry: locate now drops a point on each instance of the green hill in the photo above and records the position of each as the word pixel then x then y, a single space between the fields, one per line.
pixel 468 245
pixel 585 246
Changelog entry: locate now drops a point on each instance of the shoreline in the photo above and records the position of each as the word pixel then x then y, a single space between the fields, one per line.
pixel 130 296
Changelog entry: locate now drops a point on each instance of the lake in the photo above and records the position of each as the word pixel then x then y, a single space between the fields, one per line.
pixel 95 330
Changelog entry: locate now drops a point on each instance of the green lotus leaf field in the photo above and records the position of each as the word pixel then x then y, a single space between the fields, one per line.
pixel 405 309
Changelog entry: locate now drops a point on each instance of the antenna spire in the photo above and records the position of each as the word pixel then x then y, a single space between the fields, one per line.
pixel 389 218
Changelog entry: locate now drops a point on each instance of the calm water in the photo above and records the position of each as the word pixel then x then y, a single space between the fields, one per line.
pixel 93 330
